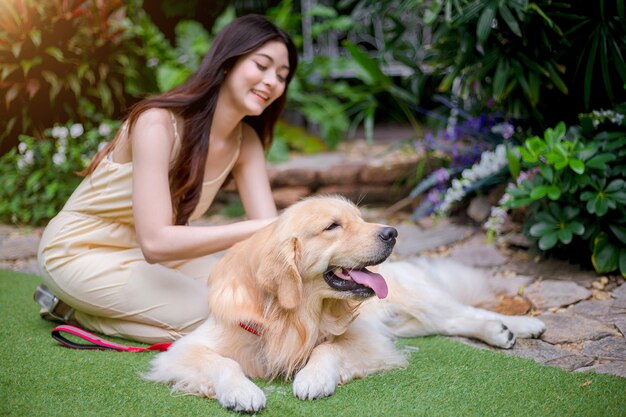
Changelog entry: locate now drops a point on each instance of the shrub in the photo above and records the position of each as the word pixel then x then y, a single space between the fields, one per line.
pixel 574 190
pixel 38 176
pixel 57 59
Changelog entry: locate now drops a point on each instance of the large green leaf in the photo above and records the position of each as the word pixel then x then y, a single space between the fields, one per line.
pixel 605 255
pixel 483 27
pixel 508 17
pixel 369 65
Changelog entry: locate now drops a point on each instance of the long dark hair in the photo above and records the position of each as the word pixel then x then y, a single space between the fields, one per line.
pixel 196 99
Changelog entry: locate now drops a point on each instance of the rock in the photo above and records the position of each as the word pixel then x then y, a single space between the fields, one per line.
pixel 347 173
pixel 551 293
pixel 571 363
pixel 412 239
pixel 284 197
pixel 509 285
pixel 591 308
pixel 553 269
pixel 537 350
pixel 512 306
pixel 380 172
pixel 620 292
pixel 295 177
pixel 516 240
pixel 18 247
pixel 477 253
pixel 613 347
pixel 479 209
pixel 617 368
pixel 620 323
pixel 572 328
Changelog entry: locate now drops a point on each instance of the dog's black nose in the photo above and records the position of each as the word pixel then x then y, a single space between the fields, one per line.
pixel 388 234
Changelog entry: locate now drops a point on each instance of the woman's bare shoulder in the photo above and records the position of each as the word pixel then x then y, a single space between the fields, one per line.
pixel 155 116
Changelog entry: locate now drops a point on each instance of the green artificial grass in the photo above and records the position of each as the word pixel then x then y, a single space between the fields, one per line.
pixel 38 377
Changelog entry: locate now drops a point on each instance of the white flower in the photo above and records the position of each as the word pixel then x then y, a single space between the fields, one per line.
pixel 617 118
pixel 59 132
pixel 26 160
pixel 101 145
pixel 152 62
pixel 76 130
pixel 58 158
pixel 104 129
pixel 22 147
pixel 490 162
pixel 29 157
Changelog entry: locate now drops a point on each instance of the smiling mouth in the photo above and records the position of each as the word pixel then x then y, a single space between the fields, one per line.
pixel 261 96
pixel 360 282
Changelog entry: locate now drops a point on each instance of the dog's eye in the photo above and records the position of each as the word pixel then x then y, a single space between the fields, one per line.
pixel 332 226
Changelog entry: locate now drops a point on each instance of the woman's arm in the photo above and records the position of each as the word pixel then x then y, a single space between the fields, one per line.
pixel 250 174
pixel 152 140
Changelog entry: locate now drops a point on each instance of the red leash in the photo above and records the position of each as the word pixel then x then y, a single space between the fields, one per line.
pixel 98 343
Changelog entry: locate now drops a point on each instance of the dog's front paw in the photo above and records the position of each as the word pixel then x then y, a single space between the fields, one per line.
pixel 310 383
pixel 245 396
pixel 499 335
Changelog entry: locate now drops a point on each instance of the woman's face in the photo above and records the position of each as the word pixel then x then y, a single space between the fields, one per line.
pixel 258 78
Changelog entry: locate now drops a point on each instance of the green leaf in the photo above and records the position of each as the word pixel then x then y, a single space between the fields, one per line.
pixel 539 192
pixel 514 163
pixel 431 14
pixel 599 161
pixel 369 65
pixel 55 52
pixel 508 17
pixel 500 78
pixel 605 255
pixel 554 192
pixel 577 228
pixel 622 261
pixel 619 232
pixel 541 228
pixel 565 236
pixel 601 206
pixel 556 79
pixel 548 241
pixel 614 186
pixel 169 76
pixel 547 172
pixel 35 37
pixel 577 165
pixel 483 28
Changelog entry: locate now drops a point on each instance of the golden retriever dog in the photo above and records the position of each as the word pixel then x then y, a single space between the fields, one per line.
pixel 296 300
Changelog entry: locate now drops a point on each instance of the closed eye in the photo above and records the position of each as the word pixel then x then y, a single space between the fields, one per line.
pixel 332 226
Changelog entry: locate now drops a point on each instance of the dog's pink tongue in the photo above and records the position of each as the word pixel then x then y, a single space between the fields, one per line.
pixel 372 280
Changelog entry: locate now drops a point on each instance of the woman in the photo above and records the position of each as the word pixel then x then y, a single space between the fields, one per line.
pixel 120 255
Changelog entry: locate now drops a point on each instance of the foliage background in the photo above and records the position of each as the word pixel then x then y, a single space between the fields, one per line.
pixel 477 76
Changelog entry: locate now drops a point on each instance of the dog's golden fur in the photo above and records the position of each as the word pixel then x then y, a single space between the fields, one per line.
pixel 320 334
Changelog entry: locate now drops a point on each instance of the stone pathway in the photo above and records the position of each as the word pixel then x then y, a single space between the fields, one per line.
pixel 585 314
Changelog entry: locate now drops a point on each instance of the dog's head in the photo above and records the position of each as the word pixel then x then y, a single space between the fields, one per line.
pixel 324 243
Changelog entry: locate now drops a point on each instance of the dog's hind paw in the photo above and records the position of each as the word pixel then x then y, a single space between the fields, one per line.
pixel 310 384
pixel 525 327
pixel 243 397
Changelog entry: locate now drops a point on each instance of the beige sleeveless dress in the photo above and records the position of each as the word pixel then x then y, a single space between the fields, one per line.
pixel 90 258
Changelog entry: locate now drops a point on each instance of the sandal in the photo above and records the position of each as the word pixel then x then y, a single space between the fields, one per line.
pixel 52 308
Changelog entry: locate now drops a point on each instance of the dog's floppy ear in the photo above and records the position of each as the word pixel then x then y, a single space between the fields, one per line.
pixel 278 272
